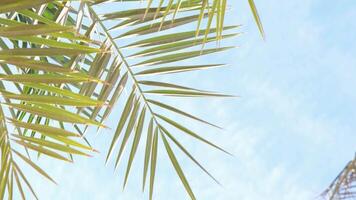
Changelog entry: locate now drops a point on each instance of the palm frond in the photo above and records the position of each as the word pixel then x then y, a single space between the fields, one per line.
pixel 70 65
pixel 35 60
pixel 155 53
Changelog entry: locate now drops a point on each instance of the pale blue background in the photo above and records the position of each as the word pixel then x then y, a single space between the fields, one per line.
pixel 291 132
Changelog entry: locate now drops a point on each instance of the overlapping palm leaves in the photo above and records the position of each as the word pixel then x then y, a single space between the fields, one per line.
pixel 71 71
pixel 36 109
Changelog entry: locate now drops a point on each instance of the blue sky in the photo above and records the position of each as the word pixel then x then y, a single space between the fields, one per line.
pixel 291 131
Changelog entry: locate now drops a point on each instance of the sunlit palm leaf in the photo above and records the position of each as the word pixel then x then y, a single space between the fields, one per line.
pixel 28 55
pixel 65 62
pixel 146 22
pixel 256 17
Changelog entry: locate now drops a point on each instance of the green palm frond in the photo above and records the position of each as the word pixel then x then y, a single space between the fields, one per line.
pixel 35 61
pixel 64 67
pixel 156 54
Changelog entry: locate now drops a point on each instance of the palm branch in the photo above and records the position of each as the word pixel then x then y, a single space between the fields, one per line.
pixel 65 67
pixel 36 110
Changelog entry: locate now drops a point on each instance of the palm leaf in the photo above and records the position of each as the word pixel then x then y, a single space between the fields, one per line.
pixel 256 17
pixel 67 64
pixel 35 59
pixel 163 49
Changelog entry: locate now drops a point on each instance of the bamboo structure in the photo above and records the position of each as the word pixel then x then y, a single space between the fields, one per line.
pixel 344 185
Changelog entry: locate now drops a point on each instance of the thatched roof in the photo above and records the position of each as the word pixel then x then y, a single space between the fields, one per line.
pixel 344 185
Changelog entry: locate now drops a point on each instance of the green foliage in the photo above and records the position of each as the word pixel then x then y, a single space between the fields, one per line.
pixel 62 70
